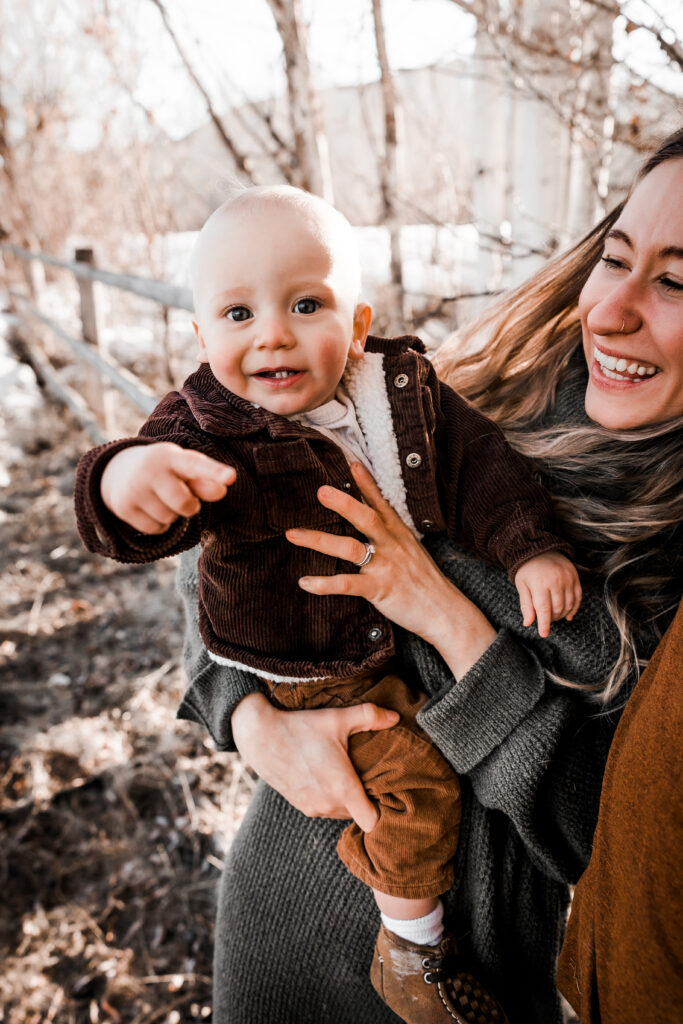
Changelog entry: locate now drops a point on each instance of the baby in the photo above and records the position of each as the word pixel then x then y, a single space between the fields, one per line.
pixel 290 391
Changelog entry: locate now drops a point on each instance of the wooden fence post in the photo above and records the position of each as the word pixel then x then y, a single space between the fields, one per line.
pixel 94 385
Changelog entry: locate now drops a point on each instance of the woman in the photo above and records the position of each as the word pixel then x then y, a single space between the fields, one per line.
pixel 519 718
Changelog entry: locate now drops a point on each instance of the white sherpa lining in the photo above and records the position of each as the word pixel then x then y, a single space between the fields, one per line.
pixel 365 382
pixel 265 675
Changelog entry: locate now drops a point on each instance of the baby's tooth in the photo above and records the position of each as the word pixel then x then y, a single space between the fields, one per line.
pixel 633 367
pixel 650 371
pixel 621 365
pixel 642 371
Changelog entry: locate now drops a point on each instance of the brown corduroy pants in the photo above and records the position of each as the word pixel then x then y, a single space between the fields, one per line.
pixel 409 852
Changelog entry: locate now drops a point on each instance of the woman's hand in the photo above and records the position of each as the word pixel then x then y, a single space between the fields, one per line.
pixel 401 580
pixel 303 754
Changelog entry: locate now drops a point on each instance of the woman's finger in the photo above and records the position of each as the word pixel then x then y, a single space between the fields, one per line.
pixel 347 548
pixel 370 491
pixel 367 718
pixel 359 805
pixel 350 586
pixel 363 517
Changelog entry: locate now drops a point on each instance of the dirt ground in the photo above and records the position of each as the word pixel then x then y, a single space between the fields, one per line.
pixel 114 816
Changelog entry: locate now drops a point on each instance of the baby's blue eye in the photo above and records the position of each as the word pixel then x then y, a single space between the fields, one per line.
pixel 238 313
pixel 306 306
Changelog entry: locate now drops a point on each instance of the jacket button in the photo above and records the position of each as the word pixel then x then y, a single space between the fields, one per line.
pixel 413 460
pixel 347 485
pixel 374 633
pixel 426 524
pixel 400 380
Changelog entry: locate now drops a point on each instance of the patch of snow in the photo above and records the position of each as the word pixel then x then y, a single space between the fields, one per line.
pixel 20 403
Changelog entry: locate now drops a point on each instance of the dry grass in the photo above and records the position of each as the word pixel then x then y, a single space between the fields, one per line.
pixel 115 817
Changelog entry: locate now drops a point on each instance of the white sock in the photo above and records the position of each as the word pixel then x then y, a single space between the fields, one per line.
pixel 421 931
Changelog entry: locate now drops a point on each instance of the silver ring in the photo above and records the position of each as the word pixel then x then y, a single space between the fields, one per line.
pixel 623 324
pixel 367 557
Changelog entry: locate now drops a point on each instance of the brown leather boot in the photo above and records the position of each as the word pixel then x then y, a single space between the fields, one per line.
pixel 426 985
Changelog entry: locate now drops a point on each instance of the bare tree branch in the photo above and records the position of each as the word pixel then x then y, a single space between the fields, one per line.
pixel 674 51
pixel 243 162
pixel 439 310
pixel 388 161
pixel 310 142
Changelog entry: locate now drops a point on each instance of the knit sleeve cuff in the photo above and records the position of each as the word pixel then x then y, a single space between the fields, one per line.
pixel 212 697
pixel 475 715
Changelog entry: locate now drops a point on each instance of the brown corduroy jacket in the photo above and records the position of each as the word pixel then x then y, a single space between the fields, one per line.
pixel 622 958
pixel 441 464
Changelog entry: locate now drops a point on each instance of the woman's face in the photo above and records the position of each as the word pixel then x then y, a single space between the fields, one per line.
pixel 631 309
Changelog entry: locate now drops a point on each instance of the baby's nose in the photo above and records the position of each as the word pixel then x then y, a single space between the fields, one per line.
pixel 275 333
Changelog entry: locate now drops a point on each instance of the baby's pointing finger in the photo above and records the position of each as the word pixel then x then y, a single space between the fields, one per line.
pixel 195 466
pixel 208 489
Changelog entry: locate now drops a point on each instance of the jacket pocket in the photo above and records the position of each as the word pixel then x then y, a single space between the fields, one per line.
pixel 289 475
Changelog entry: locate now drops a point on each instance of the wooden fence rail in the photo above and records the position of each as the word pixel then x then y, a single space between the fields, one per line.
pixel 86 349
pixel 159 291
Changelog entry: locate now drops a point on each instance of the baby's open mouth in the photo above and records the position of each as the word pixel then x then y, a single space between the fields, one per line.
pixel 279 374
pixel 621 368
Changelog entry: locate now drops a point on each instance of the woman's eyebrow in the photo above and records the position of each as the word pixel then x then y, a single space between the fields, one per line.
pixel 669 250
pixel 672 250
pixel 620 236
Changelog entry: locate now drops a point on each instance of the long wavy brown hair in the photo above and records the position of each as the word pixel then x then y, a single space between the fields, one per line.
pixel 618 494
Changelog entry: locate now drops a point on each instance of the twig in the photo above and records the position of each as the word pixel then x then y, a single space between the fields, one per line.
pixel 34 614
pixel 189 801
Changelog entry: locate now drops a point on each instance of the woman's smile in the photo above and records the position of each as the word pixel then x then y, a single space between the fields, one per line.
pixel 620 367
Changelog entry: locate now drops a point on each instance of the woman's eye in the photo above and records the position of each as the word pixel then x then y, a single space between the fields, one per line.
pixel 306 305
pixel 670 284
pixel 613 262
pixel 238 313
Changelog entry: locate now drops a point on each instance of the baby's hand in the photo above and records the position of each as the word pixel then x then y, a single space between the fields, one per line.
pixel 549 589
pixel 150 486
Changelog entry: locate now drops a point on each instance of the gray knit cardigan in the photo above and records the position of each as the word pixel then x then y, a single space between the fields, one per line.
pixel 295 930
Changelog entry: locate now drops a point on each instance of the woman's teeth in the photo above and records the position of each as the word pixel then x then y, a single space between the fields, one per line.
pixel 621 369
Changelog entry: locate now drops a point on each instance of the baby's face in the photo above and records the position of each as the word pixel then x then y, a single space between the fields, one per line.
pixel 276 308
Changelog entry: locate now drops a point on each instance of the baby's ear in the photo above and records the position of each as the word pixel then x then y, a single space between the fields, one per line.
pixel 202 356
pixel 362 317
